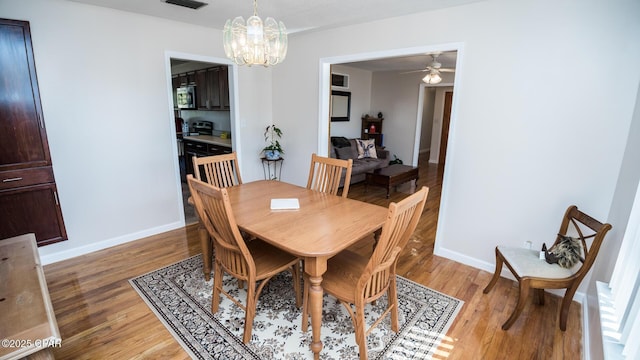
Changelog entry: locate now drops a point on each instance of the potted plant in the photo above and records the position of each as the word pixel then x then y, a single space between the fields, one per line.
pixel 273 150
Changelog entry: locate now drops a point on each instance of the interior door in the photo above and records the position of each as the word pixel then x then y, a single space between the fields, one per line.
pixel 444 135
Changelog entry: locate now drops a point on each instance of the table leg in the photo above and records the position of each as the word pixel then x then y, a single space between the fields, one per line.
pixel 315 267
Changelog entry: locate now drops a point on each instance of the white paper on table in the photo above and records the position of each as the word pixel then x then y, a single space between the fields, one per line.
pixel 285 204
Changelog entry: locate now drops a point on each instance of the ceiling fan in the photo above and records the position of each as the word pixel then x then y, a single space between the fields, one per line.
pixel 434 69
pixel 434 66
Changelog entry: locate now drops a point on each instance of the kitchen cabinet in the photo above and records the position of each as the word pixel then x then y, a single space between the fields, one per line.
pixel 187 79
pixel 175 84
pixel 224 87
pixel 212 88
pixel 199 149
pixel 29 200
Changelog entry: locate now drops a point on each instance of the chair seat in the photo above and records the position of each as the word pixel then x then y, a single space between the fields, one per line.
pixel 526 263
pixel 343 272
pixel 268 259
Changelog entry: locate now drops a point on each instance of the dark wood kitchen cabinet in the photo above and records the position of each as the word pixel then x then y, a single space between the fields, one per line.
pixel 224 87
pixel 212 88
pixel 199 149
pixel 28 196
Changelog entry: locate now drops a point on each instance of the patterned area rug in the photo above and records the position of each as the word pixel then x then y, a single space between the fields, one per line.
pixel 181 298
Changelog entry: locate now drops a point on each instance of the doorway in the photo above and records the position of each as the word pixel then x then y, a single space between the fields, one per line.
pixel 224 120
pixel 325 90
pixel 434 110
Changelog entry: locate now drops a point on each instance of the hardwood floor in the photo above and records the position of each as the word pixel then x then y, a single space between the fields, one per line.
pixel 101 316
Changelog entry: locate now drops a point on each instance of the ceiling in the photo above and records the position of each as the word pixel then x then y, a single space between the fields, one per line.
pixel 299 16
pixel 406 63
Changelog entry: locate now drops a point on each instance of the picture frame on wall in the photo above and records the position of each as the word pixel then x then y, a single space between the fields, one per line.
pixel 340 105
pixel 339 81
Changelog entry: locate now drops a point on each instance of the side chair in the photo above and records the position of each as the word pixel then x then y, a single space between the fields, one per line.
pixel 325 174
pixel 254 262
pixel 357 281
pixel 220 171
pixel 533 273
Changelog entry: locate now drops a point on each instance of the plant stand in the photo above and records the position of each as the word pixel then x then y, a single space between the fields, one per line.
pixel 272 169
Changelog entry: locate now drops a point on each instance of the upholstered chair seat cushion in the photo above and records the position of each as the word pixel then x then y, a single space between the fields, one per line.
pixel 527 263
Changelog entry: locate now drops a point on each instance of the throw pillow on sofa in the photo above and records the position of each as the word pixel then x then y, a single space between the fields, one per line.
pixel 340 141
pixel 366 148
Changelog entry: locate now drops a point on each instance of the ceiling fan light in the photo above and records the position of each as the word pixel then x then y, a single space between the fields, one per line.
pixel 432 78
pixel 255 43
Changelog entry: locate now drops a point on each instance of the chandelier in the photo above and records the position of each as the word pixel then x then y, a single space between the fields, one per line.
pixel 255 43
pixel 433 77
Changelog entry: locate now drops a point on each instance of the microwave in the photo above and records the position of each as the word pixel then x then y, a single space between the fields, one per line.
pixel 186 97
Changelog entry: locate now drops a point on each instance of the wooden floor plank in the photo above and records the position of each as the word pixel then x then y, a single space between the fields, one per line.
pixel 101 316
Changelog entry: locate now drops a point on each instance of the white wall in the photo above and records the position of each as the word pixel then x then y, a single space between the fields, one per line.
pixel 102 75
pixel 428 107
pixel 533 128
pixel 514 135
pixel 543 131
pixel 360 89
pixel 626 188
pixel 397 97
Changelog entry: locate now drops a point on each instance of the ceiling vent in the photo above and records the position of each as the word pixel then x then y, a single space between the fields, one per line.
pixel 191 4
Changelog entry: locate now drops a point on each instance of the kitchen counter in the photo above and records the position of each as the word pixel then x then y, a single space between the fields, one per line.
pixel 214 140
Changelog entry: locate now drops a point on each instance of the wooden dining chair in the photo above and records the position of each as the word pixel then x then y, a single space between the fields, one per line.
pixel 325 174
pixel 254 262
pixel 357 280
pixel 533 273
pixel 220 171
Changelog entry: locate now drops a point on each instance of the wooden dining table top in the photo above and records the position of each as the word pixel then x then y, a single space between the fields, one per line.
pixel 323 225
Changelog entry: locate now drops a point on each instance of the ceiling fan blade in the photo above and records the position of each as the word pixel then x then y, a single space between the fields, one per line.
pixel 414 71
pixel 447 70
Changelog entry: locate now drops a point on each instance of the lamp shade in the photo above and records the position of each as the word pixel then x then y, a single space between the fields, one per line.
pixel 432 78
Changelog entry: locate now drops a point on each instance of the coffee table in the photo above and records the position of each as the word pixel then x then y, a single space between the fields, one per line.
pixel 392 175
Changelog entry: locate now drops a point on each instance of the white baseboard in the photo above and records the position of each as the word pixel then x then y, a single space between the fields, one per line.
pixel 83 250
pixel 491 267
pixel 579 297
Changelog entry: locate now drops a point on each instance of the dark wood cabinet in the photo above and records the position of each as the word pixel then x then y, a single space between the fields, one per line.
pixel 212 87
pixel 187 79
pixel 224 88
pixel 199 149
pixel 28 196
pixel 372 129
pixel 175 84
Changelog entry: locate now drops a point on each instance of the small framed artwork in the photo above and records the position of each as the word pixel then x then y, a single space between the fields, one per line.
pixel 339 81
pixel 340 105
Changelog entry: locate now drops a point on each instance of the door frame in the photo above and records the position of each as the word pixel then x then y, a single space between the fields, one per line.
pixel 324 81
pixel 232 74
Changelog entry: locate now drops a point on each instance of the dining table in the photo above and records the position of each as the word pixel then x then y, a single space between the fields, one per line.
pixel 322 226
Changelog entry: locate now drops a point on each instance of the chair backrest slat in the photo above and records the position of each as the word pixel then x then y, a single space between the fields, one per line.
pixel 219 170
pixel 325 174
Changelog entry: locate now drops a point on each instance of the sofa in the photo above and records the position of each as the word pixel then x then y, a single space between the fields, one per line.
pixel 343 148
